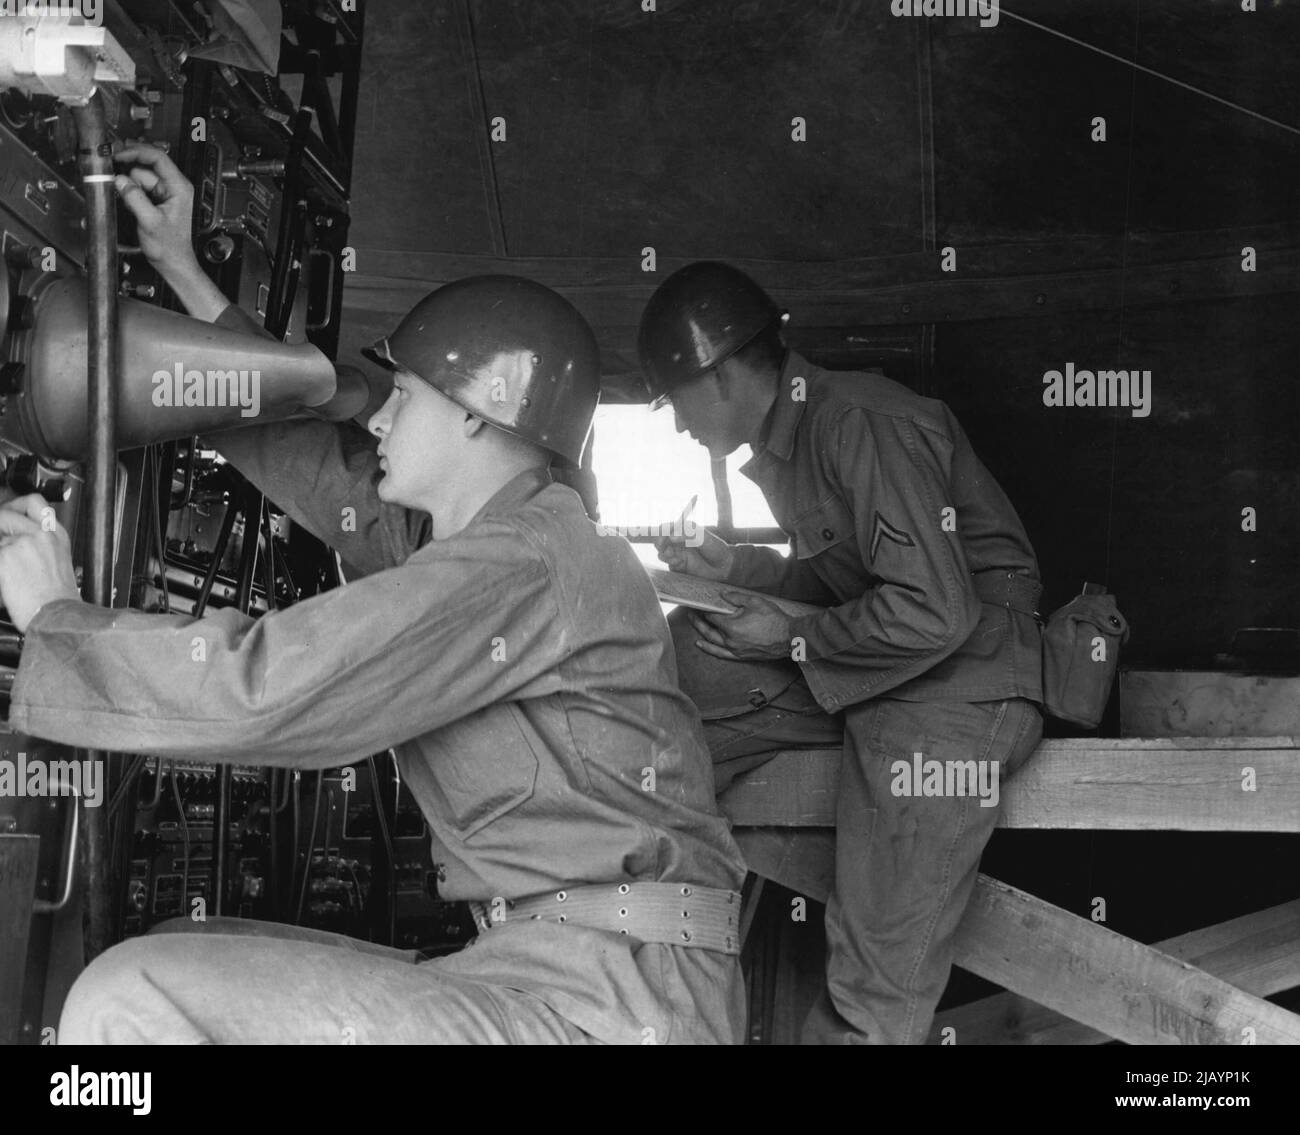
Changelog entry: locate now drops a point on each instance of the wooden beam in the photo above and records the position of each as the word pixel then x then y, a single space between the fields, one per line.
pixel 1134 993
pixel 1258 953
pixel 1102 784
pixel 989 262
pixel 993 281
pixel 952 300
pixel 1083 971
pixel 1207 703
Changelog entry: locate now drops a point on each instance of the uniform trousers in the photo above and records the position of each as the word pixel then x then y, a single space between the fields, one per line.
pixel 905 861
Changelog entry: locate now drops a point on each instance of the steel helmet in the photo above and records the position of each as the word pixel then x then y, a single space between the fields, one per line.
pixel 508 350
pixel 697 318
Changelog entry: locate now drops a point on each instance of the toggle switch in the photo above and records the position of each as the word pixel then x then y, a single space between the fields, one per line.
pixel 25 475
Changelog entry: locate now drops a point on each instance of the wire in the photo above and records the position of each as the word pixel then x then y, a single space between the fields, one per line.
pixel 268 560
pixel 120 843
pixel 157 786
pixel 272 845
pixel 285 573
pixel 288 781
pixel 377 797
pixel 297 828
pixel 355 882
pixel 1149 71
pixel 185 834
pixel 155 510
pixel 329 814
pixel 132 773
pixel 311 846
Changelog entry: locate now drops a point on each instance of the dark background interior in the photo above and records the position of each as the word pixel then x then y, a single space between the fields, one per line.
pixel 672 130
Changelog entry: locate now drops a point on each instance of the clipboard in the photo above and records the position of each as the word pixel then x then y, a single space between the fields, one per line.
pixel 706 594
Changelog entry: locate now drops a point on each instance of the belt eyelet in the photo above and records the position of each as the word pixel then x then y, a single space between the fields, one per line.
pixel 686 890
pixel 686 914
pixel 561 896
pixel 622 912
pixel 624 931
pixel 686 935
pixel 623 889
pixel 564 918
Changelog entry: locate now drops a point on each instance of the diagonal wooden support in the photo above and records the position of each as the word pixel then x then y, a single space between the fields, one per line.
pixel 1129 991
pixel 1258 953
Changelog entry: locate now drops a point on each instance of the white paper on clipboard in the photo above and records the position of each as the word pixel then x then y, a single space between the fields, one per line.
pixel 690 591
pixel 707 594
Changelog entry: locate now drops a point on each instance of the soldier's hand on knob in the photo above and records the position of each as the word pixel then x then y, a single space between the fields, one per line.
pixel 162 200
pixel 35 559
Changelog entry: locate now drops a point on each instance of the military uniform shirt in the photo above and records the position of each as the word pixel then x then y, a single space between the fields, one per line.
pixel 889 513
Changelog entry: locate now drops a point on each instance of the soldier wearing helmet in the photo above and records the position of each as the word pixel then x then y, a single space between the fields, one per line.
pixel 927 645
pixel 515 659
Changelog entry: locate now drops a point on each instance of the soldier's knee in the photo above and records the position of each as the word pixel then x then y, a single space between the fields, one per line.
pixel 104 1003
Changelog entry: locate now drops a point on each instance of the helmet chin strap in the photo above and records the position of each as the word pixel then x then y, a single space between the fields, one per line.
pixel 723 382
pixel 721 491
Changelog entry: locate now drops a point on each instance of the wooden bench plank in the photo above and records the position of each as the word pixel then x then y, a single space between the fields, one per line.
pixel 1102 784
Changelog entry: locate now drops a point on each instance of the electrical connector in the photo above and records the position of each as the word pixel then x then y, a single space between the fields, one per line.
pixel 52 49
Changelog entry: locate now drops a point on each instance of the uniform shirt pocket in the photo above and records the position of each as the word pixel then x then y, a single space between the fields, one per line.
pixel 482 767
pixel 821 528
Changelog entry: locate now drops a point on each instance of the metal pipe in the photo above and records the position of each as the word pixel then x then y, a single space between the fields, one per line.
pixel 44 906
pixel 95 162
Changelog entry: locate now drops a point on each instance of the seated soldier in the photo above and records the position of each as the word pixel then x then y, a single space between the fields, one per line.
pixel 926 642
pixel 516 659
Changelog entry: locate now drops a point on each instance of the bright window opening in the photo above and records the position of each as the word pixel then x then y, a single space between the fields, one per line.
pixel 646 472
